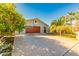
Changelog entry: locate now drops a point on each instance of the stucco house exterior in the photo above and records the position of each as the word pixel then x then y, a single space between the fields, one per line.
pixel 36 26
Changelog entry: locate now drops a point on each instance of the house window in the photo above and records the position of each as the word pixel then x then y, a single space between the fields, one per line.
pixel 35 21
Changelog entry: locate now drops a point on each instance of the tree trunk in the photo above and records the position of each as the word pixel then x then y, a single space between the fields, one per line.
pixel 71 24
pixel 60 33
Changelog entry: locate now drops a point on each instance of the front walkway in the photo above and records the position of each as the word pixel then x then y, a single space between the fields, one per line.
pixel 44 45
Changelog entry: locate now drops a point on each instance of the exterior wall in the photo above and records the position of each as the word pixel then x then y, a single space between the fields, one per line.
pixel 29 23
pixel 38 23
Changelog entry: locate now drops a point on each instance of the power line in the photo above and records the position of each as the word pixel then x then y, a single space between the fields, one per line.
pixel 70 49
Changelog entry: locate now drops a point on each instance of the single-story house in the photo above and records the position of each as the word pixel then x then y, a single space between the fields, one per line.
pixel 36 26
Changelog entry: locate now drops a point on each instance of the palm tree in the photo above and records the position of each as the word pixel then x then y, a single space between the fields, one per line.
pixel 77 21
pixel 53 25
pixel 61 24
pixel 70 17
pixel 56 25
pixel 62 20
pixel 54 22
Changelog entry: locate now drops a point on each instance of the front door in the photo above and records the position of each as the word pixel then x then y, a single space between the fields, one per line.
pixel 44 29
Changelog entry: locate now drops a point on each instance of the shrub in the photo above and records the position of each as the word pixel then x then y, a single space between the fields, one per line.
pixel 69 29
pixel 70 35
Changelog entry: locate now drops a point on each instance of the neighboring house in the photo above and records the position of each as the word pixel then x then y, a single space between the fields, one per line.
pixel 36 26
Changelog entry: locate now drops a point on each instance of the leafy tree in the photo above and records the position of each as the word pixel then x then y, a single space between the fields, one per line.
pixel 10 21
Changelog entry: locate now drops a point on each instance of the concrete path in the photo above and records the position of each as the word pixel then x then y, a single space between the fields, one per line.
pixel 44 45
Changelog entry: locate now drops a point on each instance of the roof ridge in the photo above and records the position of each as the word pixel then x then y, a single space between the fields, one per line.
pixel 38 19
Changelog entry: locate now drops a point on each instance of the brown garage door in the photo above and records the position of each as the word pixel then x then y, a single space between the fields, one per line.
pixel 33 29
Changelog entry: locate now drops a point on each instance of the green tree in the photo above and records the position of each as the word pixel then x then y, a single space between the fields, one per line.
pixel 54 22
pixel 57 25
pixel 10 21
pixel 62 20
pixel 70 17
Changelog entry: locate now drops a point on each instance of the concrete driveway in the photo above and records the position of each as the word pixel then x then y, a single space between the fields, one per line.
pixel 44 45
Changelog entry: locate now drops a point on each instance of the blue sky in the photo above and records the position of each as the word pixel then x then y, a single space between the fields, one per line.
pixel 45 11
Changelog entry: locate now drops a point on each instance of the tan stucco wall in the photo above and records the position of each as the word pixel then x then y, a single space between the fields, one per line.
pixel 42 25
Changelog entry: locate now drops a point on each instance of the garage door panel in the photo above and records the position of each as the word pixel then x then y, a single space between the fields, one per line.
pixel 33 29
